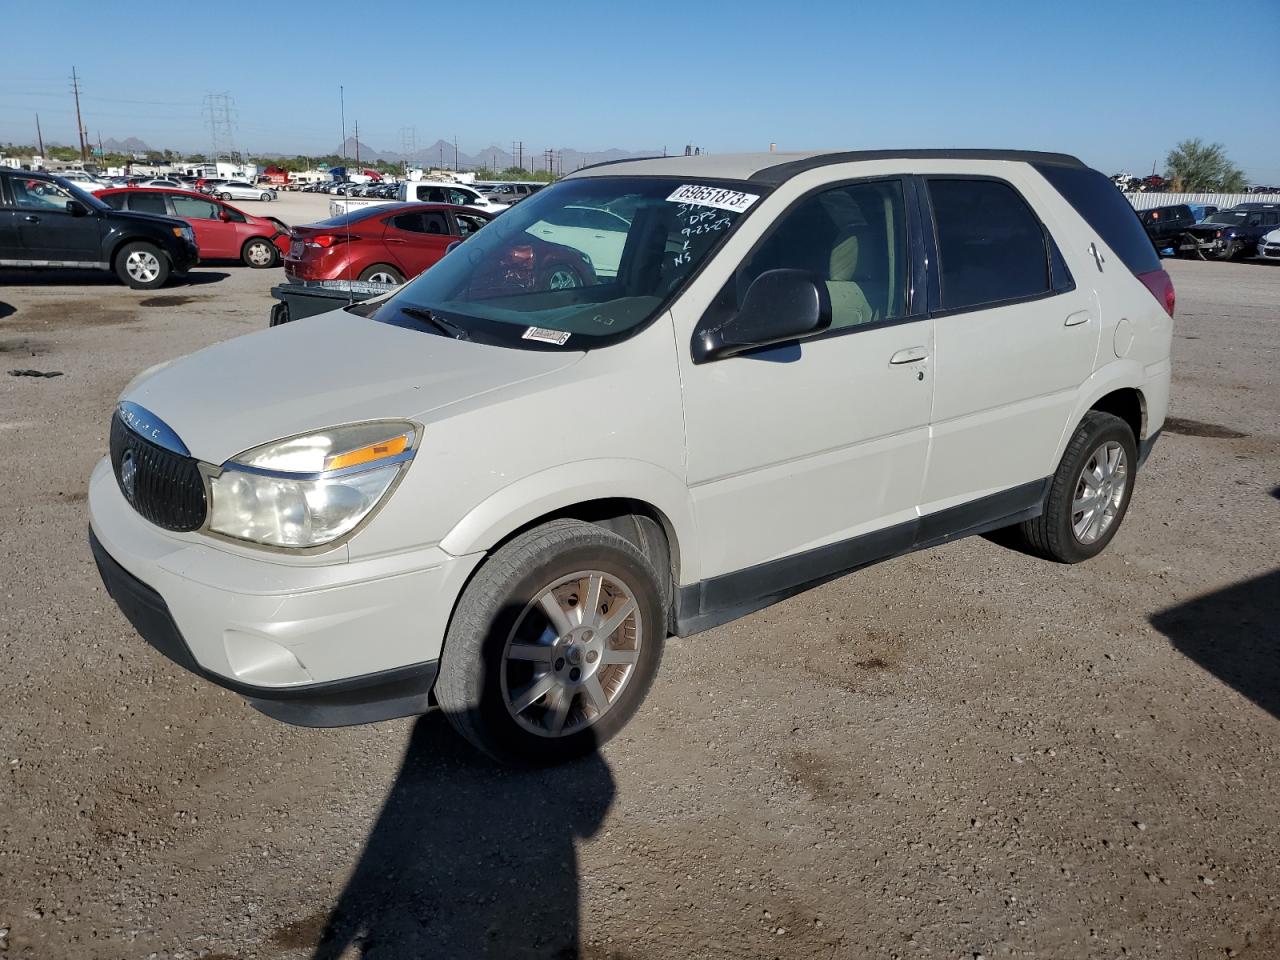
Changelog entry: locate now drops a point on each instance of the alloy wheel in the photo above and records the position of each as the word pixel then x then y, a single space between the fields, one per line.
pixel 1099 492
pixel 143 266
pixel 571 653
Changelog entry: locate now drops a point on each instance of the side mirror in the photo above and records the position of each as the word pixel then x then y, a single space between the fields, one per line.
pixel 224 216
pixel 453 246
pixel 77 209
pixel 780 305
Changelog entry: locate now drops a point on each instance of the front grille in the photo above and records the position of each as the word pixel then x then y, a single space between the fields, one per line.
pixel 166 489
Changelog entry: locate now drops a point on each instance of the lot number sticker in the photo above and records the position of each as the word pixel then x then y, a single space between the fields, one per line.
pixel 718 197
pixel 558 337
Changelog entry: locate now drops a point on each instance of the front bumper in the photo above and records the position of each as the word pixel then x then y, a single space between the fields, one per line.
pixel 1192 244
pixel 400 692
pixel 183 256
pixel 319 641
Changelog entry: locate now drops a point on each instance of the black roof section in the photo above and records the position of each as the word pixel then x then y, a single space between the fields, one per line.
pixel 780 173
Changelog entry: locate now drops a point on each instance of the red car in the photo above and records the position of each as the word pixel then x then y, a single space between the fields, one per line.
pixel 222 231
pixel 386 243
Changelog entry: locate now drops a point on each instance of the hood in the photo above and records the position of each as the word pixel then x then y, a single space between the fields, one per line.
pixel 319 372
pixel 155 218
pixel 1208 229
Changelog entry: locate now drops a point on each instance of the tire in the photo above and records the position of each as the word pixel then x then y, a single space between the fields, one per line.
pixel 260 253
pixel 561 277
pixel 142 265
pixel 1055 534
pixel 265 197
pixel 224 196
pixel 383 270
pixel 536 707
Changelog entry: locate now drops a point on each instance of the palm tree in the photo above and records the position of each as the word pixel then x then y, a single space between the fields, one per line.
pixel 1195 166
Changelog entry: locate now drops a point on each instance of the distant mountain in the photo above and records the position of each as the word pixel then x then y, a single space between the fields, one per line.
pixel 127 145
pixel 494 157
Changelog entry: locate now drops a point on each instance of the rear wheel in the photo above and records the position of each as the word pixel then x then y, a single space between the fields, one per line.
pixel 1089 494
pixel 260 253
pixel 382 273
pixel 553 644
pixel 142 266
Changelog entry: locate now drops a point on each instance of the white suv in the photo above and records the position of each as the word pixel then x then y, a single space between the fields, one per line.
pixel 501 487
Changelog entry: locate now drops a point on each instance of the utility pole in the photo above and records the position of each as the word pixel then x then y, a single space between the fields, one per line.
pixel 342 109
pixel 39 136
pixel 101 152
pixel 520 163
pixel 455 153
pixel 75 89
pixel 357 143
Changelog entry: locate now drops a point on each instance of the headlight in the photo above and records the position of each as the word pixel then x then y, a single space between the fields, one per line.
pixel 310 490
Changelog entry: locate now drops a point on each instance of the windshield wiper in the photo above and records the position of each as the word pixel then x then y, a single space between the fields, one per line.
pixel 441 324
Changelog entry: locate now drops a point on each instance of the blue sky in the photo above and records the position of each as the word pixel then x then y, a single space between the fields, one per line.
pixel 1115 83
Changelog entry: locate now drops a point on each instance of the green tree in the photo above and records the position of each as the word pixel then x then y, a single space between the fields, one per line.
pixel 1195 166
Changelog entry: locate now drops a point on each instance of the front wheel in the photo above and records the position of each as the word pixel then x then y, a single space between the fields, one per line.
pixel 560 277
pixel 259 253
pixel 224 196
pixel 265 196
pixel 1089 494
pixel 553 644
pixel 142 266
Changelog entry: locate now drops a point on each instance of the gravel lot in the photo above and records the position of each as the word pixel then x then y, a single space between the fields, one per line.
pixel 963 752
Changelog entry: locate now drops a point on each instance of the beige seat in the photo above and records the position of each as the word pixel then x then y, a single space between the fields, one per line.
pixel 848 272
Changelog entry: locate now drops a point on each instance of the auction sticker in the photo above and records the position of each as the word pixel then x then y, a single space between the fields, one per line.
pixel 542 334
pixel 718 197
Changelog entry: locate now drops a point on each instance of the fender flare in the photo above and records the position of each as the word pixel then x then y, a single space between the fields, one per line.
pixel 1125 374
pixel 567 485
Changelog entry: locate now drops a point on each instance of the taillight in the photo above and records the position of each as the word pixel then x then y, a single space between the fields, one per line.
pixel 327 240
pixel 1161 286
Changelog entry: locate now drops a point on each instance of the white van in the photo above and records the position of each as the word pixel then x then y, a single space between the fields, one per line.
pixel 501 487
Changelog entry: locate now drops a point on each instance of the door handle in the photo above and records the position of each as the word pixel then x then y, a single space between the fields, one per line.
pixel 1077 318
pixel 910 355
pixel 396 240
pixel 1097 256
pixel 31 218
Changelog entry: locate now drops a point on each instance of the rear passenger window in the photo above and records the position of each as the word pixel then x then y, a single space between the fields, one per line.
pixel 148 203
pixel 115 200
pixel 991 247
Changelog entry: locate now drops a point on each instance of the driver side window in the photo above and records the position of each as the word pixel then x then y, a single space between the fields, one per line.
pixel 852 238
pixel 39 195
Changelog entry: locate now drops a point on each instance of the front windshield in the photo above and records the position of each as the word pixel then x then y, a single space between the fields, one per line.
pixel 1228 216
pixel 586 259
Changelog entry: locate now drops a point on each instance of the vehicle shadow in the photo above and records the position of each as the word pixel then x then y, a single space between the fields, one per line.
pixel 1234 633
pixel 7 309
pixel 469 859
pixel 99 278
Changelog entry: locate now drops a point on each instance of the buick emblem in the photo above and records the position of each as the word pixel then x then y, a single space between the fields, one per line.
pixel 128 474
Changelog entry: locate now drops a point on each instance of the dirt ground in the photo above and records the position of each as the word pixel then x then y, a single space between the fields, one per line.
pixel 962 753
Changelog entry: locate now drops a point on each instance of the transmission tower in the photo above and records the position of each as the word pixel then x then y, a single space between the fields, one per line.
pixel 219 115
pixel 408 141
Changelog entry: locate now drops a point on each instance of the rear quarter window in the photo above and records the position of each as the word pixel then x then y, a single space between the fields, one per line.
pixel 1106 210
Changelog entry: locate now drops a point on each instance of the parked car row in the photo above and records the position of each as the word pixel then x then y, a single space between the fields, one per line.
pixel 1209 233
